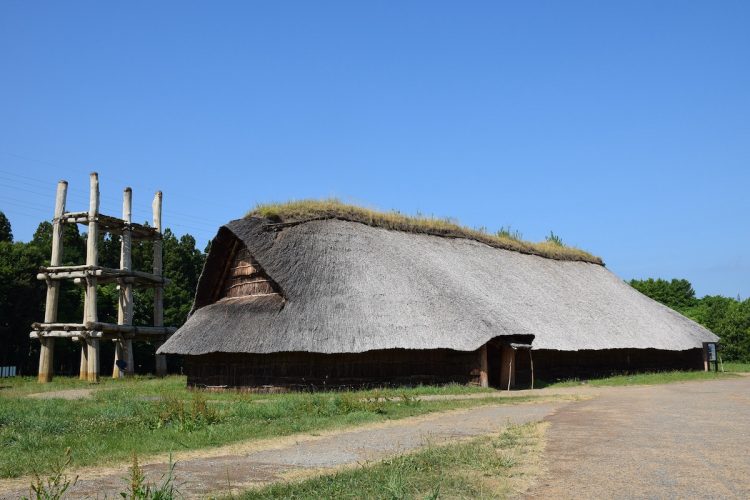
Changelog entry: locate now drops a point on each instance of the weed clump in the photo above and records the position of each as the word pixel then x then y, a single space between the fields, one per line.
pixel 140 489
pixel 56 485
pixel 184 416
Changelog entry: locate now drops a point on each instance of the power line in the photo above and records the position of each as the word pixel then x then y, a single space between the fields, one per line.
pixel 82 196
pixel 82 199
pixel 114 177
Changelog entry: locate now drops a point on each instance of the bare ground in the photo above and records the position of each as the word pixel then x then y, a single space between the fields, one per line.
pixel 686 440
pixel 664 441
pixel 63 394
pixel 244 465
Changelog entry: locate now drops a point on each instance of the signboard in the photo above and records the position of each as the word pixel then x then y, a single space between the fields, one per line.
pixel 710 355
pixel 712 352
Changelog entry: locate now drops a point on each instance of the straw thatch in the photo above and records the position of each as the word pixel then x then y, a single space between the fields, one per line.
pixel 300 211
pixel 347 287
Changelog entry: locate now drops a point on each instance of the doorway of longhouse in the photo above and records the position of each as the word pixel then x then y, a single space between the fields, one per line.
pixel 509 363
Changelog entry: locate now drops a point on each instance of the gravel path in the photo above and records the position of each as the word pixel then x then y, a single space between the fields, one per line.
pixel 306 455
pixel 687 440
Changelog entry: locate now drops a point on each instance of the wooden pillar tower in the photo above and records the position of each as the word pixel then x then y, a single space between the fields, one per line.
pixel 92 331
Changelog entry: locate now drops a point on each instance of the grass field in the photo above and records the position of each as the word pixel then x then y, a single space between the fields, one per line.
pixel 737 367
pixel 486 467
pixel 148 416
pixel 648 378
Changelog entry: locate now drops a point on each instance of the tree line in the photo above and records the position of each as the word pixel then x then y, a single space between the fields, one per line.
pixel 727 317
pixel 22 296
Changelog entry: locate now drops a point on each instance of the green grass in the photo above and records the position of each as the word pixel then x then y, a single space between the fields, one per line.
pixel 737 367
pixel 148 416
pixel 486 467
pixel 642 379
pixel 303 210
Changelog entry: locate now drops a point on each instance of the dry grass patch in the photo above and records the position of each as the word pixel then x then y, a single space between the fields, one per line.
pixel 294 212
pixel 495 466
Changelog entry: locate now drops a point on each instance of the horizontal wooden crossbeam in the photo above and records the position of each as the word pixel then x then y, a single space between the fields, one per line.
pixel 76 336
pixel 96 329
pixel 103 274
pixel 113 225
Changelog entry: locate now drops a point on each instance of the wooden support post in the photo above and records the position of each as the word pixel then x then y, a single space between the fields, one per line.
pixel 124 347
pixel 484 380
pixel 93 360
pixel 507 367
pixel 161 359
pixel 90 313
pixel 47 350
pixel 83 373
pixel 531 362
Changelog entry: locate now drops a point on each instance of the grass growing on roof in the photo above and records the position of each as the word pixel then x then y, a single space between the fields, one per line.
pixel 487 467
pixel 306 210
pixel 148 416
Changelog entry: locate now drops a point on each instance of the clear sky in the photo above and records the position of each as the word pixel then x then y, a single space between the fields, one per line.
pixel 622 126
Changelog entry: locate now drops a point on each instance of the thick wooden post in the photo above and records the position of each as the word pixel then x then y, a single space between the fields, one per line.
pixel 484 380
pixel 83 373
pixel 47 350
pixel 92 241
pixel 124 347
pixel 161 360
pixel 507 367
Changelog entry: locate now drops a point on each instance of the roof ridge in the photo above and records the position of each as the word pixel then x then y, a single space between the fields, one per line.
pixel 300 212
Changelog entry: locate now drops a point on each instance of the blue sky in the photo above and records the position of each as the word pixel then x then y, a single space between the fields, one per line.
pixel 624 127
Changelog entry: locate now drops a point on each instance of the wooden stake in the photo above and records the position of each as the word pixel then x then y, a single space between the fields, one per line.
pixel 92 241
pixel 507 370
pixel 124 348
pixel 510 369
pixel 83 373
pixel 531 361
pixel 47 350
pixel 161 360
pixel 484 380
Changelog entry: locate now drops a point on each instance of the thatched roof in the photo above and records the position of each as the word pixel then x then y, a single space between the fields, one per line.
pixel 351 287
pixel 295 212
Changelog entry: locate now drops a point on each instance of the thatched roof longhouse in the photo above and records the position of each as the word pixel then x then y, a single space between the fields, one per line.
pixel 348 287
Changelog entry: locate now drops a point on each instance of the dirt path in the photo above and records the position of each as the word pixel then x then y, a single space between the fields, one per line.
pixel 64 394
pixel 687 440
pixel 304 455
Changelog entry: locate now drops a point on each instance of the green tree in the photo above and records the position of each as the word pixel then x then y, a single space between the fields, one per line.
pixel 22 295
pixel 5 231
pixel 709 311
pixel 727 317
pixel 21 299
pixel 734 330
pixel 677 294
pixel 183 263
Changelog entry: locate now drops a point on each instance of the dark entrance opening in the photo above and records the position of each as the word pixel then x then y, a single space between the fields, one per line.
pixel 523 368
pixel 509 364
pixel 494 368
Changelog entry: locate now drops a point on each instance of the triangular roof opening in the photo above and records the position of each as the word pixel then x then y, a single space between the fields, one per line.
pixel 246 278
